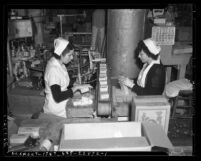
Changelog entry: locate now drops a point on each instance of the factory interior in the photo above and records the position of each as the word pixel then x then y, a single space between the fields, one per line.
pixel 103 112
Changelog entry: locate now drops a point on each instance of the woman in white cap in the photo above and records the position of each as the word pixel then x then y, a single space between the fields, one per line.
pixel 57 79
pixel 151 79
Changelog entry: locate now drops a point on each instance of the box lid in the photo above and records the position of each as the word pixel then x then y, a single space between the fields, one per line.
pixel 106 144
pixel 150 98
pixel 82 131
pixel 156 135
pixel 152 105
pixel 120 136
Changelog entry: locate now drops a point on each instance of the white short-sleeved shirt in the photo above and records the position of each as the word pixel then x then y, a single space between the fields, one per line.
pixel 55 73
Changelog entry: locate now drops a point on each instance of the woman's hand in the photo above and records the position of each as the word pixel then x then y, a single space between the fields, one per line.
pixel 82 87
pixel 126 81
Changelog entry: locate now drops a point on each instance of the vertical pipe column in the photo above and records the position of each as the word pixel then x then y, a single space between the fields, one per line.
pixel 125 28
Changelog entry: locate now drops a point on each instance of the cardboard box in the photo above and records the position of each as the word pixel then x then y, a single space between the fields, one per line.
pixel 122 109
pixel 29 130
pixel 80 111
pixel 113 136
pixel 18 138
pixel 156 112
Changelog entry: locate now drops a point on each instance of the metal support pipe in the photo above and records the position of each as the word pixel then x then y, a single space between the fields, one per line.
pixel 125 28
pixel 37 15
pixel 60 20
pixel 9 60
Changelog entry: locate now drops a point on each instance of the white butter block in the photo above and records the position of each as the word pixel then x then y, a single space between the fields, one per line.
pixel 99 60
pixel 103 65
pixel 103 88
pixel 103 83
pixel 104 96
pixel 103 68
pixel 102 75
pixel 29 130
pixel 18 138
pixel 83 101
pixel 103 78
pixel 103 71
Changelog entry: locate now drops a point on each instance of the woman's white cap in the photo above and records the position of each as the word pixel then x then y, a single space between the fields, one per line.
pixel 152 46
pixel 59 45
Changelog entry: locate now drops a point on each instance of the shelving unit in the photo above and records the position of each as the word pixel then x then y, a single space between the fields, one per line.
pixel 19 32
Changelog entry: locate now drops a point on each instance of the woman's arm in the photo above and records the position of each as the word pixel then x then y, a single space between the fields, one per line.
pixel 155 82
pixel 59 95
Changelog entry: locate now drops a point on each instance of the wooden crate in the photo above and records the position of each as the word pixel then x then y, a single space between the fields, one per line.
pixel 156 112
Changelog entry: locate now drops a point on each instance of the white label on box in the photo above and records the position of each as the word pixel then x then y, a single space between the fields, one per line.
pixel 159 21
pixel 29 130
pixel 122 118
pixel 158 116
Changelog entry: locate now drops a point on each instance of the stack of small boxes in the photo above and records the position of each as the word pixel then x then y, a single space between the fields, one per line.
pixel 104 105
pixel 103 82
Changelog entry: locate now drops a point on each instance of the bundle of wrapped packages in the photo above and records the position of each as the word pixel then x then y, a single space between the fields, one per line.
pixel 83 101
pixel 81 105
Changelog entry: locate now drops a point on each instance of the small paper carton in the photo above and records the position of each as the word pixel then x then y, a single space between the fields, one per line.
pixel 104 88
pixel 103 82
pixel 113 136
pixel 18 138
pixel 104 96
pixel 34 131
pixel 103 79
pixel 103 65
